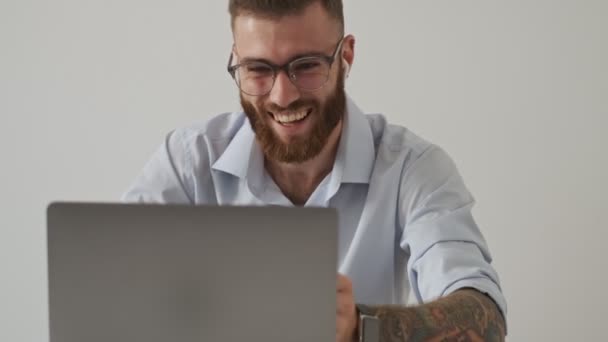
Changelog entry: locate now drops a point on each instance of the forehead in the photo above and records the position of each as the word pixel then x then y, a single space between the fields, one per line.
pixel 279 39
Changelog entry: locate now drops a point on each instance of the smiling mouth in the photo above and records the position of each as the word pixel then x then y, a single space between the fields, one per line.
pixel 290 118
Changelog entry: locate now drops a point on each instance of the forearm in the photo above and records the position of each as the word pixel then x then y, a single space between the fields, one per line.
pixel 465 315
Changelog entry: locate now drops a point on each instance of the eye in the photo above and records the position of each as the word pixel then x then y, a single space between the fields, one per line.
pixel 257 68
pixel 306 66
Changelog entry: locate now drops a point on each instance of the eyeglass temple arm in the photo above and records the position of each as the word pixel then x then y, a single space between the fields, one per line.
pixel 229 67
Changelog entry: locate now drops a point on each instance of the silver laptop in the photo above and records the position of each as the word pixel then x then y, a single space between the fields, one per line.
pixel 151 273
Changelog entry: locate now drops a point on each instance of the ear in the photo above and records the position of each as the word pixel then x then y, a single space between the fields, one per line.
pixel 348 53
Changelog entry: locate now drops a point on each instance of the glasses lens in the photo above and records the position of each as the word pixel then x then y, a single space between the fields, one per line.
pixel 254 78
pixel 309 73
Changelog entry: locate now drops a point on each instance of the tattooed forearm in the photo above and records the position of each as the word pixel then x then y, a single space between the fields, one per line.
pixel 464 316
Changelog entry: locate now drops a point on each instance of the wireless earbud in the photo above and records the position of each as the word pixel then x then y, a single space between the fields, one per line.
pixel 346 67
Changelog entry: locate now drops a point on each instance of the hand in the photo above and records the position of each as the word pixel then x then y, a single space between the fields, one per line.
pixel 346 312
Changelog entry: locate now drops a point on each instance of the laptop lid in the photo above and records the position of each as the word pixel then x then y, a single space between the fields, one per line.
pixel 135 272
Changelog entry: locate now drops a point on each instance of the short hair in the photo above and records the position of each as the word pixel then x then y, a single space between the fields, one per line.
pixel 275 9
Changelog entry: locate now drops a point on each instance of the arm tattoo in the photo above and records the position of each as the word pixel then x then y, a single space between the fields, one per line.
pixel 464 316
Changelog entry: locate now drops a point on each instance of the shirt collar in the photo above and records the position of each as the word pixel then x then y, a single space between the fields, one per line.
pixel 237 156
pixel 243 157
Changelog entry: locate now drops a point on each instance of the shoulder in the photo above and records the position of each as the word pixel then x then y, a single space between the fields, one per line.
pixel 427 177
pixel 399 145
pixel 416 164
pixel 206 138
pixel 219 128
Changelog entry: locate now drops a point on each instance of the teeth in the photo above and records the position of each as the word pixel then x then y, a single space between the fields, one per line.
pixel 287 118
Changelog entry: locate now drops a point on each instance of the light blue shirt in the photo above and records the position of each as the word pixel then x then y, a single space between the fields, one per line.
pixel 406 233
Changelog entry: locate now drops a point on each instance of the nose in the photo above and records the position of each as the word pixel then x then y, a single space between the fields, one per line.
pixel 284 92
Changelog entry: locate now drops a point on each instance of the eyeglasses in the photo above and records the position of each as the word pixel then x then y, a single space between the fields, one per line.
pixel 308 73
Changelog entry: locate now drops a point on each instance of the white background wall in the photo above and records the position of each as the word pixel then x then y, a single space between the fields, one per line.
pixel 516 91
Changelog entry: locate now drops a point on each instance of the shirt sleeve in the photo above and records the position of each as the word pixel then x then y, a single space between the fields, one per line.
pixel 159 181
pixel 447 250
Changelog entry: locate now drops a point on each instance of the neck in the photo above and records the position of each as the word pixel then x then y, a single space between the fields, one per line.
pixel 299 180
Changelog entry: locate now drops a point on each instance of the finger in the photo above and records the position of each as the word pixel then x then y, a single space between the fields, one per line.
pixel 344 284
pixel 342 305
pixel 345 303
pixel 340 327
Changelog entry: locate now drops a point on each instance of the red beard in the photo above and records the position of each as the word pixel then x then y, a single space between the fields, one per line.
pixel 299 149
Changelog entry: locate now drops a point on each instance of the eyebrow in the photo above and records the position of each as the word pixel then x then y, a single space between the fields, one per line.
pixel 293 58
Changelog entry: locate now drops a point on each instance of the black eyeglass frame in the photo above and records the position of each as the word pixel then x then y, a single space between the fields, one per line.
pixel 285 67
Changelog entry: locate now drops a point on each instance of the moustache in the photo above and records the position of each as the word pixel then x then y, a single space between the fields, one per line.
pixel 293 107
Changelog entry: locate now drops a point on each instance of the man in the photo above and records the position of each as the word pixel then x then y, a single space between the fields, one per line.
pixel 405 214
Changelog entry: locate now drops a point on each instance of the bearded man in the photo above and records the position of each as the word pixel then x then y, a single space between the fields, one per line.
pixel 405 223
